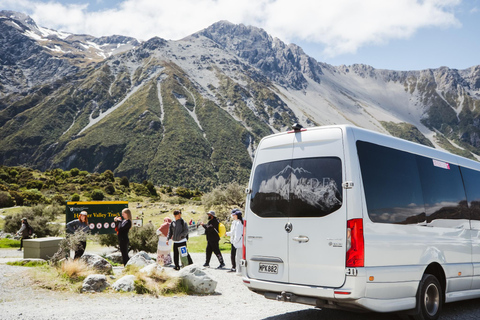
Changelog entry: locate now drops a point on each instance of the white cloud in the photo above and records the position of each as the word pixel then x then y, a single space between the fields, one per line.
pixel 342 26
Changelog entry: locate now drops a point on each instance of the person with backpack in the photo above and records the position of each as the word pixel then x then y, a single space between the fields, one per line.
pixel 25 232
pixel 178 232
pixel 236 239
pixel 79 225
pixel 213 238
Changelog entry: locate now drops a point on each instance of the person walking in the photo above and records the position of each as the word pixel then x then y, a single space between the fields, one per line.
pixel 236 239
pixel 178 232
pixel 122 226
pixel 24 232
pixel 79 225
pixel 211 231
pixel 164 247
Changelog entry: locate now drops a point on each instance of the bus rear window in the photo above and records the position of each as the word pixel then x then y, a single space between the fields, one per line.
pixel 297 188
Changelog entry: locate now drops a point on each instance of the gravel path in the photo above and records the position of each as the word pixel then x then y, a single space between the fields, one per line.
pixel 232 300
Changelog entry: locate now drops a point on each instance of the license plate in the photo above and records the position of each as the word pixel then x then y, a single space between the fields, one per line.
pixel 268 268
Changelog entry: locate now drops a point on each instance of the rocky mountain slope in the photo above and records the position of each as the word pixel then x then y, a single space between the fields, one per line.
pixel 191 112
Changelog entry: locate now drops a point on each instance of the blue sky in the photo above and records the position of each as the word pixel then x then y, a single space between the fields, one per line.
pixel 386 34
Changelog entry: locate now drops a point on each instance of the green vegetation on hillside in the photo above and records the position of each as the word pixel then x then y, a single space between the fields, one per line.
pixel 406 131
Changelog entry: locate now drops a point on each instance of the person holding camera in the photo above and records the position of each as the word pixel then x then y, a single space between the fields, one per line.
pixel 122 226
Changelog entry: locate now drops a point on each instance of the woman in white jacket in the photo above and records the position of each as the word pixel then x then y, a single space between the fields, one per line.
pixel 236 239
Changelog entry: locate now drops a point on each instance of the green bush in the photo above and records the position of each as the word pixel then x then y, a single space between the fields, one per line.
pixel 108 174
pixel 6 200
pixel 109 189
pixel 33 196
pixel 124 182
pixel 39 217
pixel 97 195
pixel 75 197
pixel 58 199
pixel 184 192
pixel 143 238
pixel 74 172
pixel 18 196
pixel 108 240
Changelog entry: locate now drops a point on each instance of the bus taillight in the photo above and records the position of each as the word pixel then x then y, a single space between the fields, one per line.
pixel 355 244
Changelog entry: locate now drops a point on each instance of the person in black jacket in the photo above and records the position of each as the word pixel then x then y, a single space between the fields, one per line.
pixel 211 231
pixel 122 227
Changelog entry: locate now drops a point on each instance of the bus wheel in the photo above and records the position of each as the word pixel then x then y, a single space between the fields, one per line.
pixel 429 298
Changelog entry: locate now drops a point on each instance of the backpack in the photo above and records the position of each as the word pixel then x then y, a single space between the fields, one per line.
pixel 221 229
pixel 30 230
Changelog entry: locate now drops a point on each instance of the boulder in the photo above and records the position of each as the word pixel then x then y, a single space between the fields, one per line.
pixel 197 280
pixel 140 259
pixel 95 283
pixel 151 268
pixel 115 257
pixel 97 262
pixel 125 283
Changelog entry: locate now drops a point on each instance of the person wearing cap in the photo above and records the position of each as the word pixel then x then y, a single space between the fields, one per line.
pixel 24 232
pixel 211 231
pixel 178 232
pixel 79 225
pixel 236 239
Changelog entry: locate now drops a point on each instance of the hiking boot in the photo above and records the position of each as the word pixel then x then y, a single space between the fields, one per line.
pixel 221 266
pixel 206 265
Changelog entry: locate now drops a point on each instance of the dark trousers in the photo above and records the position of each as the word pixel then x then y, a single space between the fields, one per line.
pixel 212 246
pixel 176 255
pixel 232 257
pixel 124 243
pixel 21 242
pixel 81 249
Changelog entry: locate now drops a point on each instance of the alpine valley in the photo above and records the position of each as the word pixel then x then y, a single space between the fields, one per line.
pixel 191 112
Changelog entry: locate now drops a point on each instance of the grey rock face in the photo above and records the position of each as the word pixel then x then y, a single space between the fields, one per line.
pixel 95 283
pixel 197 280
pixel 97 262
pixel 140 259
pixel 126 283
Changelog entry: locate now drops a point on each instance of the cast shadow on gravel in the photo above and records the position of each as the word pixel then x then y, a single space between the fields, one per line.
pixel 329 314
pixel 468 309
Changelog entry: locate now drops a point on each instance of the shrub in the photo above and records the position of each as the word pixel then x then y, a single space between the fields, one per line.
pixel 124 182
pixel 143 238
pixel 6 200
pixel 75 197
pixel 184 192
pixel 109 189
pixel 58 199
pixel 74 172
pixel 151 189
pixel 108 240
pixel 39 217
pixel 97 195
pixel 18 196
pixel 33 196
pixel 108 174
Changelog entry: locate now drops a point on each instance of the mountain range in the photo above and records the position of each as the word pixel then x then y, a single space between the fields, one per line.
pixel 191 112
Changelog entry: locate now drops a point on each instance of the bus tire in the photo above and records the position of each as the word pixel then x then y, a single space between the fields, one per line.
pixel 429 299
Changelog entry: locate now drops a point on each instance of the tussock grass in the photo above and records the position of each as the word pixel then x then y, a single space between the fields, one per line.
pixel 156 283
pixel 74 270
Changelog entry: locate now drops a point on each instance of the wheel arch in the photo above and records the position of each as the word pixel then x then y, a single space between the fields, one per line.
pixel 436 270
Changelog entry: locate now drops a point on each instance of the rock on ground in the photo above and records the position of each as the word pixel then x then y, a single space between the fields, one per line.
pixel 197 280
pixel 141 259
pixel 97 262
pixel 95 283
pixel 126 283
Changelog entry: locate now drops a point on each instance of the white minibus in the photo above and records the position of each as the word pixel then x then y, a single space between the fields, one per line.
pixel 347 218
